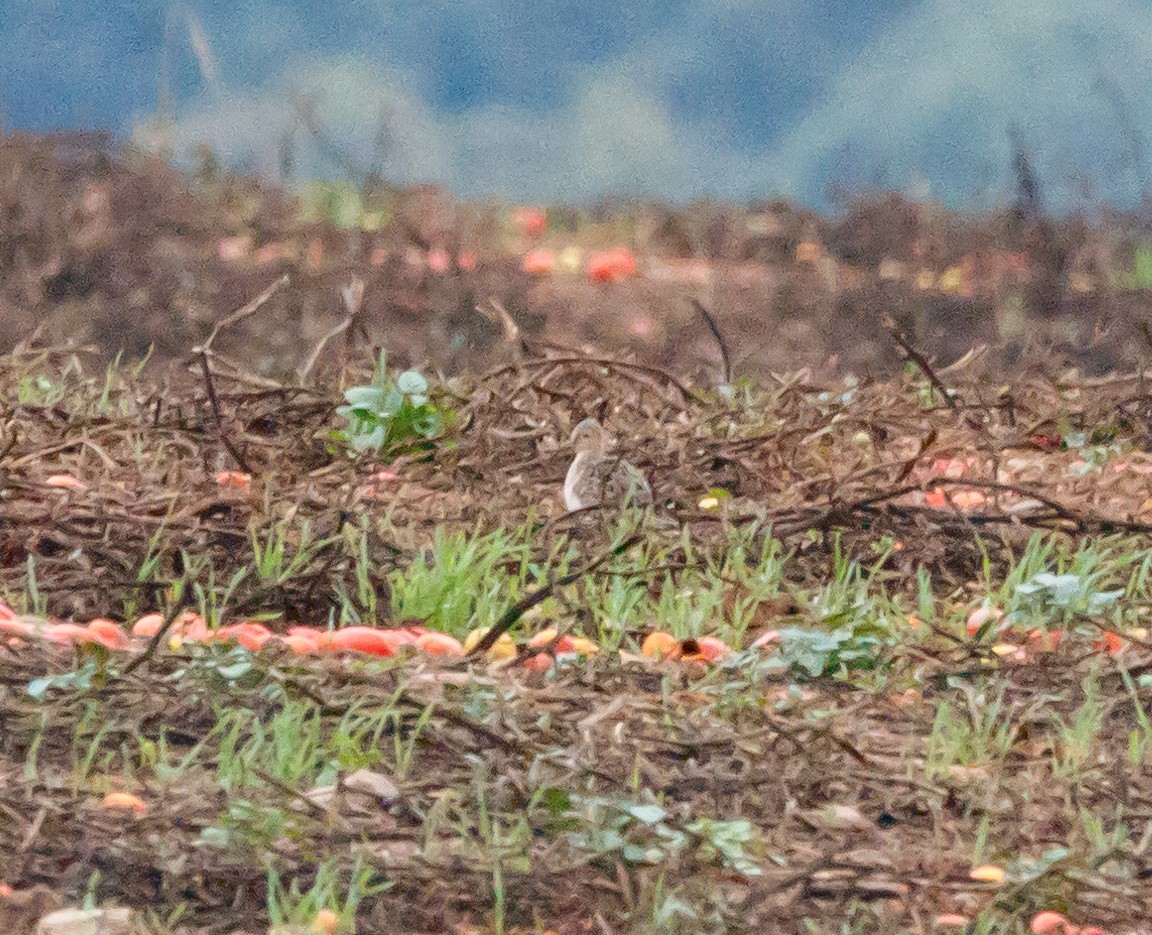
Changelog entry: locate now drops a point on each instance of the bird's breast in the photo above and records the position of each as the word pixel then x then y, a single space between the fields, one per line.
pixel 572 483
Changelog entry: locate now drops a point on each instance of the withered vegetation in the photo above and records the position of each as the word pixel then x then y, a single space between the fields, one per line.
pixel 847 778
pixel 855 810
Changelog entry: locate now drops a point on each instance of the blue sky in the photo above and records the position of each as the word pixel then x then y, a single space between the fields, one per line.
pixel 560 100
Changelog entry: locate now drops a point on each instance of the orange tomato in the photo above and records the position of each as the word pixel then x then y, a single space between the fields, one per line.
pixel 439 644
pixel 148 626
pixel 531 220
pixel 538 263
pixel 192 627
pixel 108 633
pixel 936 499
pixel 14 627
pixel 711 648
pixel 1046 640
pixel 324 922
pixel 368 640
pixel 982 616
pixel 952 467
pixel 249 634
pixel 1109 642
pixel 987 873
pixel 661 645
pixel 1051 923
pixel 124 801
pixel 66 634
pixel 65 481
pixel 579 644
pixel 321 638
pixel 234 480
pixel 611 265
pixel 563 644
pixel 968 499
pixel 502 651
pixel 302 643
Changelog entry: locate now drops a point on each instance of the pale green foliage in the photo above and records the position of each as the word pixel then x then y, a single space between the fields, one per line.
pixel 647 833
pixel 391 414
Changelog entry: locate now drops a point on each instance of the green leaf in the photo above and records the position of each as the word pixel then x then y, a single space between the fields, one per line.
pixel 214 837
pixel 364 397
pixel 80 679
pixel 391 403
pixel 635 854
pixel 649 814
pixel 235 671
pixel 428 424
pixel 412 383
pixel 556 800
pixel 366 440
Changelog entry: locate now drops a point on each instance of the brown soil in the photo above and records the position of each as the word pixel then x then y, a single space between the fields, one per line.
pixel 122 252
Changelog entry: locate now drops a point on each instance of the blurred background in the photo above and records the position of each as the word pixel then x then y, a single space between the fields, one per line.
pixel 677 99
pixel 801 167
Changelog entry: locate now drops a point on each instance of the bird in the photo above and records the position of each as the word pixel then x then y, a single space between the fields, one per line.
pixel 599 478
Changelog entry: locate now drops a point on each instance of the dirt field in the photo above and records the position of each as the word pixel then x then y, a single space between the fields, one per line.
pixel 877 661
pixel 118 251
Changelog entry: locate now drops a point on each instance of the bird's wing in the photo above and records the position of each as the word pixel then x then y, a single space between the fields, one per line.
pixel 595 479
pixel 624 481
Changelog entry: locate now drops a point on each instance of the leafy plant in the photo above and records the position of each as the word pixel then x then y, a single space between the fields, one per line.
pixel 816 652
pixel 282 555
pixel 980 732
pixel 1069 593
pixel 78 680
pixel 645 833
pixel 636 832
pixel 389 415
pixel 725 842
pixel 247 824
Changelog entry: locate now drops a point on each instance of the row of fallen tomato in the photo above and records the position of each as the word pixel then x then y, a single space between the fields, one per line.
pixel 603 266
pixel 1023 645
pixel 539 653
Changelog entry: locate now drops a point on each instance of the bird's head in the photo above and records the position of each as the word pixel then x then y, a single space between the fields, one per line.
pixel 589 436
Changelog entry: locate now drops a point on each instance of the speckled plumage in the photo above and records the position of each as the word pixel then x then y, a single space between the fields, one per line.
pixel 599 478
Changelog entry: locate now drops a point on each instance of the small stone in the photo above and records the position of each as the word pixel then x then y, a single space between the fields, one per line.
pixel 109 921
